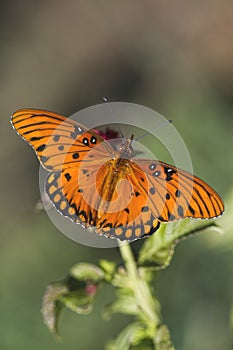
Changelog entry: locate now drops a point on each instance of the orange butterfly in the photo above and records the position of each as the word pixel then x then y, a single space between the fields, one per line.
pixel 94 184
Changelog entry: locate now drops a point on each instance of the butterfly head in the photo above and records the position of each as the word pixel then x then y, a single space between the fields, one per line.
pixel 126 149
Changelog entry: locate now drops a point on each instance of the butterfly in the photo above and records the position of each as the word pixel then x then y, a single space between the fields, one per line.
pixel 98 185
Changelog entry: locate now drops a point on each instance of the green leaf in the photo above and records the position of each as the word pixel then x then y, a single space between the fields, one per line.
pixel 133 335
pixel 77 293
pixel 86 271
pixel 124 304
pixel 158 250
pixel 162 340
pixel 109 269
pixel 78 302
pixel 52 307
pixel 83 283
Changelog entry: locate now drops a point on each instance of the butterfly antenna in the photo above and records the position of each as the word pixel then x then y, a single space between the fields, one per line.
pixel 162 124
pixel 106 100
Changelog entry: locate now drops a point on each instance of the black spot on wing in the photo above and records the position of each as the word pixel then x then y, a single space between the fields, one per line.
pixel 93 139
pixel 68 176
pixel 156 173
pixel 152 190
pixel 169 172
pixel 180 211
pixel 36 138
pixel 44 159
pixel 152 166
pixel 85 141
pixel 145 209
pixel 41 148
pixel 75 155
pixel 56 138
pixel 77 131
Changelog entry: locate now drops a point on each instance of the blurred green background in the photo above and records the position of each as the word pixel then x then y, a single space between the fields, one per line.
pixel 174 57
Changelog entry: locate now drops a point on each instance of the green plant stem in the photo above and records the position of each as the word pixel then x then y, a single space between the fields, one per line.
pixel 149 306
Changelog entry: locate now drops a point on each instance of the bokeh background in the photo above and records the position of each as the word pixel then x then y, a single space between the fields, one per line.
pixel 174 57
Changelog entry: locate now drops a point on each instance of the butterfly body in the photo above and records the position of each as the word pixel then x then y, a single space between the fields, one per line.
pixel 115 170
pixel 101 186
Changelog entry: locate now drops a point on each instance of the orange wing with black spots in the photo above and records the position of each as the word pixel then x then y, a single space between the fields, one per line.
pixel 176 194
pixel 58 142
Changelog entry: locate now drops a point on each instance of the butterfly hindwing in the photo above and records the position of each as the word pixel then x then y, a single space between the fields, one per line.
pixel 80 195
pixel 66 195
pixel 143 226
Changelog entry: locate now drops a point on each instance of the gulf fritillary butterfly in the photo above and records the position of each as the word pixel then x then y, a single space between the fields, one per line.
pixel 86 180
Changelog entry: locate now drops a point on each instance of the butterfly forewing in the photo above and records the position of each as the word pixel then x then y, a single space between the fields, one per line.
pixel 59 142
pixel 175 194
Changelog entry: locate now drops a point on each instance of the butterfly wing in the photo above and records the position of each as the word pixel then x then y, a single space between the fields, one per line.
pixel 58 142
pixel 142 226
pixel 176 194
pixel 83 195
